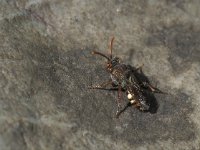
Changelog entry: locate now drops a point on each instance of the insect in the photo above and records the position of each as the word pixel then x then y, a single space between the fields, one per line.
pixel 128 79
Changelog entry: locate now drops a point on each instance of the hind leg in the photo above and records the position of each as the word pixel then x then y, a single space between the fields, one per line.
pixel 151 88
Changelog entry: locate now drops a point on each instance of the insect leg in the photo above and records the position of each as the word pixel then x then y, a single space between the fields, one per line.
pixel 119 98
pixel 135 104
pixel 152 88
pixel 122 110
pixel 102 85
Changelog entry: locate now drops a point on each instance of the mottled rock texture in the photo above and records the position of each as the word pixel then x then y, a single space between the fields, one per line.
pixel 46 66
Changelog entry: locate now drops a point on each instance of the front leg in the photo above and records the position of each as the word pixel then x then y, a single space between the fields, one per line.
pixel 102 86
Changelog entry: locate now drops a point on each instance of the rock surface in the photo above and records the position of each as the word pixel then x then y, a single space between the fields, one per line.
pixel 46 67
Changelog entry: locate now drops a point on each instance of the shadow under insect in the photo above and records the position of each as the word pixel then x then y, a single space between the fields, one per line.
pixel 130 80
pixel 143 90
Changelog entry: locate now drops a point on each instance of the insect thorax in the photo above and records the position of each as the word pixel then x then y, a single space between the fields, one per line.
pixel 119 75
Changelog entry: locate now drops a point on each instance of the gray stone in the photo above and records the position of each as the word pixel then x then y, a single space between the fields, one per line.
pixel 46 66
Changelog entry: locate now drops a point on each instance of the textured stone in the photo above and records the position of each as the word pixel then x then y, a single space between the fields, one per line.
pixel 46 66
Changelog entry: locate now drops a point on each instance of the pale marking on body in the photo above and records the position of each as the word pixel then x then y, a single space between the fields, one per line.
pixel 132 101
pixel 130 96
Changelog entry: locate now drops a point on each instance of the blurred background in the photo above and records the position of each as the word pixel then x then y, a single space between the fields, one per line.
pixel 46 66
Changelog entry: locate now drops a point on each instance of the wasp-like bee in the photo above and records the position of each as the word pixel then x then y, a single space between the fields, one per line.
pixel 126 78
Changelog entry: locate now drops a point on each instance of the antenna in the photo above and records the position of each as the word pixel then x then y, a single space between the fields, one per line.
pixel 111 46
pixel 98 53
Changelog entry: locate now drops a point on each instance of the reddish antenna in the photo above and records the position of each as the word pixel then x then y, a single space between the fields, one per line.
pixel 111 46
pixel 101 54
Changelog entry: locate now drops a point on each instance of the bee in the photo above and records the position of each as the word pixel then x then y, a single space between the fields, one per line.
pixel 127 79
